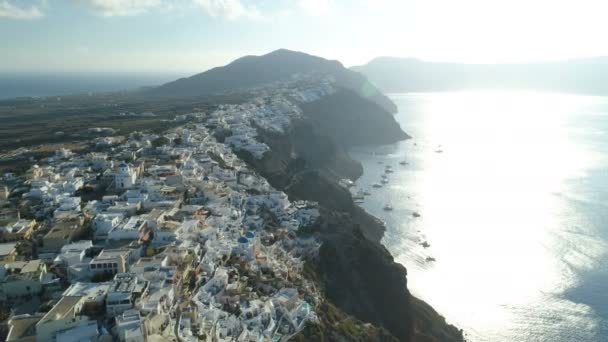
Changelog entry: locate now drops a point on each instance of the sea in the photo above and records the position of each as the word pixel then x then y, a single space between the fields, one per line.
pixel 500 210
pixel 40 84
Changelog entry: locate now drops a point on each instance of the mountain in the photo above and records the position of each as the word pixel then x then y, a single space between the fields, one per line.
pixel 251 71
pixel 581 76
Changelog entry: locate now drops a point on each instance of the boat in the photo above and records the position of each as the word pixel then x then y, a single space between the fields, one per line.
pixel 367 193
pixel 359 201
pixel 359 195
pixel 425 244
pixel 388 207
pixel 403 162
pixel 429 259
pixel 347 183
pixel 384 181
pixel 439 150
pixel 377 185
pixel 388 171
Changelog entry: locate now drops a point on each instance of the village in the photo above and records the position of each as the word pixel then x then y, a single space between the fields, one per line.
pixel 161 237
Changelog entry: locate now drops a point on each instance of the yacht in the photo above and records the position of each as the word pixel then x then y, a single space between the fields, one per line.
pixel 377 185
pixel 384 181
pixel 388 207
pixel 403 162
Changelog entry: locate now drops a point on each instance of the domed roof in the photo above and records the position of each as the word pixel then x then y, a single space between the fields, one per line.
pixel 243 239
pixel 250 235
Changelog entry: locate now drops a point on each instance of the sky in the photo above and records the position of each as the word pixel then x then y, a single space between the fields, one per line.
pixel 195 35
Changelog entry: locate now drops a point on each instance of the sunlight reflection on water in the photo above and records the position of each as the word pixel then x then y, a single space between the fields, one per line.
pixel 507 208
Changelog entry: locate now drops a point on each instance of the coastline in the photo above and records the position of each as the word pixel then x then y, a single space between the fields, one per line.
pixel 356 272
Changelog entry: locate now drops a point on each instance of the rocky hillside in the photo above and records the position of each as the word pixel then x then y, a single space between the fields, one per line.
pixel 353 120
pixel 361 281
pixel 280 65
pixel 365 291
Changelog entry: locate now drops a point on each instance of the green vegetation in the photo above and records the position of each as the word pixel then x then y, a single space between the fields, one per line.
pixel 32 121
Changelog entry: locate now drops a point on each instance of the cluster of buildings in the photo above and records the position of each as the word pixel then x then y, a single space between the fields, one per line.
pixel 173 241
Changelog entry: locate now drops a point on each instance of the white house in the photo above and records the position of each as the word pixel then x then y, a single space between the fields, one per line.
pixel 124 177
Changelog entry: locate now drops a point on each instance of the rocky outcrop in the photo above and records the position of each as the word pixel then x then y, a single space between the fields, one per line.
pixel 353 120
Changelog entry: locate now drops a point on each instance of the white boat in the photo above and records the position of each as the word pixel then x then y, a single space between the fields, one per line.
pixel 388 207
pixel 359 195
pixel 347 183
pixel 367 193
pixel 377 185
pixel 384 181
pixel 403 162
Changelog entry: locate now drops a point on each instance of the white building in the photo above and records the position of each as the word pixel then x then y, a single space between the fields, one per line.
pixel 128 327
pixel 104 223
pixel 124 177
pixel 122 294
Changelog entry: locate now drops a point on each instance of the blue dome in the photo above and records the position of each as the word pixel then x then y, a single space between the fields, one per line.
pixel 243 239
pixel 250 235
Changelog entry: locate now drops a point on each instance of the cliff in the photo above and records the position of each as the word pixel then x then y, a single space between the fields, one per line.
pixel 352 120
pixel 365 291
pixel 361 281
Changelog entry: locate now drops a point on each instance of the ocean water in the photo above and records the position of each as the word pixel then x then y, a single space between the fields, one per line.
pixel 514 209
pixel 49 84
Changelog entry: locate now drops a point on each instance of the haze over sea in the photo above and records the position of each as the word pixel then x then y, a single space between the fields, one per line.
pixel 515 210
pixel 50 84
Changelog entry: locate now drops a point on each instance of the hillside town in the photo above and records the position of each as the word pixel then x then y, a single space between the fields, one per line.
pixel 162 237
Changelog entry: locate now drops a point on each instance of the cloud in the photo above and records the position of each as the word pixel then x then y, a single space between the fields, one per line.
pixel 231 9
pixel 12 11
pixel 113 8
pixel 316 7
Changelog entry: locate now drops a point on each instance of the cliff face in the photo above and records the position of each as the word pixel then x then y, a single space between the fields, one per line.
pixel 351 120
pixel 357 274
